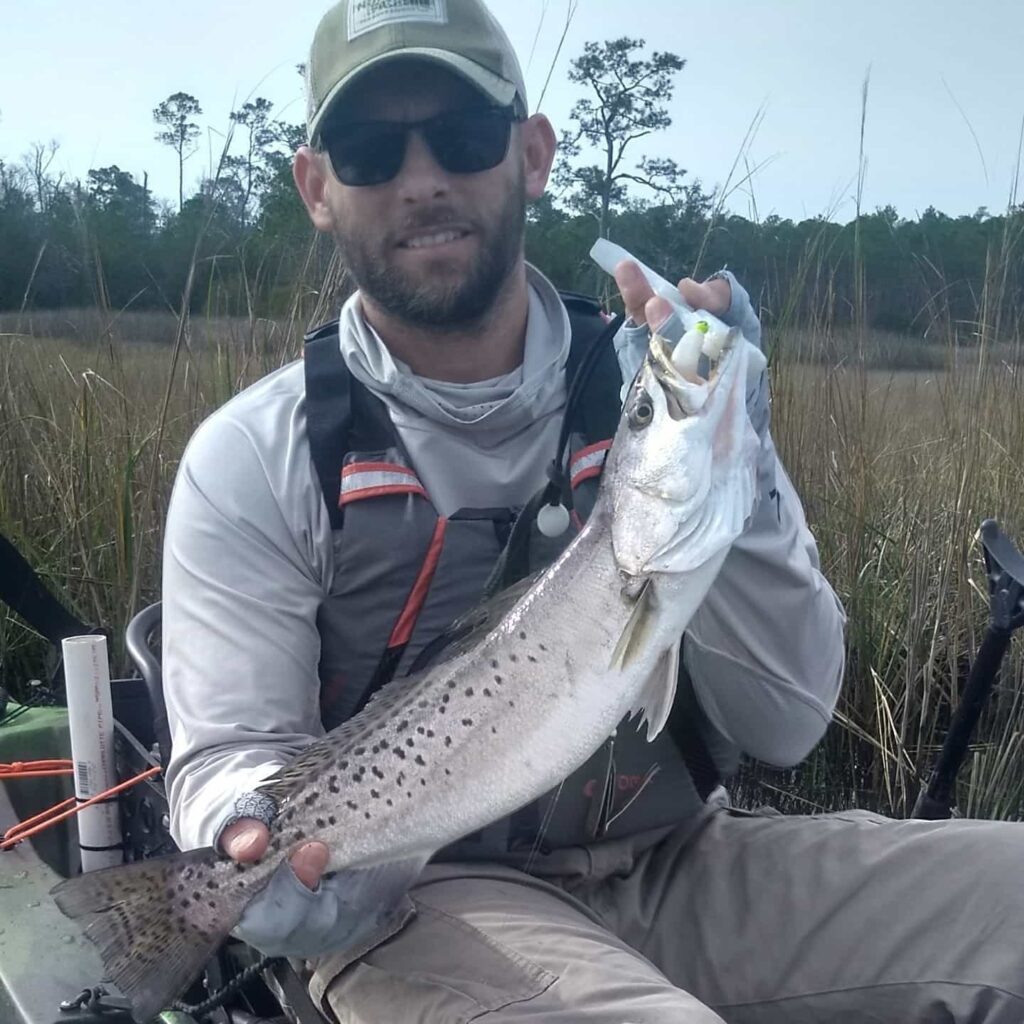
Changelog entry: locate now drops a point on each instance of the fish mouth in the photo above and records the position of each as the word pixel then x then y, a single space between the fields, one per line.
pixel 674 366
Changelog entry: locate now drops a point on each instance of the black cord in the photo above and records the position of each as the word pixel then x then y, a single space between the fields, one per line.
pixel 217 998
pixel 558 488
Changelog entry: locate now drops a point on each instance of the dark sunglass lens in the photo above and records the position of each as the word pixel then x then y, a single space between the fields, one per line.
pixel 470 141
pixel 367 154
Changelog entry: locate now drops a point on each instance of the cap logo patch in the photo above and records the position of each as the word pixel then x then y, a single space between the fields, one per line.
pixel 366 15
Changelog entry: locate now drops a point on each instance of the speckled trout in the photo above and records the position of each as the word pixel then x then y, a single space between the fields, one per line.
pixel 508 712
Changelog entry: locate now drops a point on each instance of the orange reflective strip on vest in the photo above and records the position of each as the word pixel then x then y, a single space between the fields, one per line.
pixel 375 479
pixel 588 462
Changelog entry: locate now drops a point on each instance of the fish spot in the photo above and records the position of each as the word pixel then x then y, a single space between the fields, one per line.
pixel 513 657
pixel 343 765
pixel 511 703
pixel 445 697
pixel 311 799
pixel 420 761
pixel 522 634
pixel 467 721
pixel 531 659
pixel 452 684
pixel 402 725
pixel 421 730
pixel 359 751
pixel 442 709
pixel 424 703
pixel 275 845
pixel 541 647
pixel 384 746
pixel 423 782
pixel 390 802
pixel 375 794
pixel 447 771
pixel 376 771
pixel 332 786
pixel 494 662
pixel 375 749
pixel 366 815
pixel 401 779
pixel 410 742
pixel 181 888
pixel 498 680
pixel 239 884
pixel 469 691
pixel 331 819
pixel 188 873
pixel 239 867
pixel 185 904
pixel 211 904
pixel 320 823
pixel 494 730
pixel 408 794
pixel 289 814
pixel 197 896
pixel 447 741
pixel 430 734
pixel 487 692
pixel 352 805
pixel 212 885
pixel 357 777
pixel 399 753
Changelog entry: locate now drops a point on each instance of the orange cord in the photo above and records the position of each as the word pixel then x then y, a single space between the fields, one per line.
pixel 16 833
pixel 36 769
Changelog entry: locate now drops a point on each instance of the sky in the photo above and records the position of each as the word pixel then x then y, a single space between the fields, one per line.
pixel 944 114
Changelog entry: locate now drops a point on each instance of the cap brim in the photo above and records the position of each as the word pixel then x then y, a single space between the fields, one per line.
pixel 499 89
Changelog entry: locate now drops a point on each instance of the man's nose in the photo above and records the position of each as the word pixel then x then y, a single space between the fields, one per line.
pixel 420 176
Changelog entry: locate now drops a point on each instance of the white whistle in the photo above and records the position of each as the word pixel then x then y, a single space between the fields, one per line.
pixel 553 520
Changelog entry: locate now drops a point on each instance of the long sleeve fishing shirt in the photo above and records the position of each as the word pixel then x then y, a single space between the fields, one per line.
pixel 248 560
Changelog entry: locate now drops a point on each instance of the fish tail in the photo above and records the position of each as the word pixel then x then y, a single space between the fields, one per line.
pixel 155 922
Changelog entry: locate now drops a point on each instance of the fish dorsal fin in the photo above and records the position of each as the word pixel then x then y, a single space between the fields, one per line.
pixel 328 748
pixel 459 638
pixel 468 629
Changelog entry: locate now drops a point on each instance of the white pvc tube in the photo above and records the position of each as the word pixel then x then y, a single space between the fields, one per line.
pixel 91 723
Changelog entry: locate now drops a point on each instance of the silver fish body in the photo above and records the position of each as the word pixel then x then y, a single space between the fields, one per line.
pixel 511 710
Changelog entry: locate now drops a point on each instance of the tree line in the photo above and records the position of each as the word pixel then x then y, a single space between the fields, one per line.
pixel 241 243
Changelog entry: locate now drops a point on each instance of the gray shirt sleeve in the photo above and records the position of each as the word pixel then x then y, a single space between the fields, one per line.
pixel 241 591
pixel 765 649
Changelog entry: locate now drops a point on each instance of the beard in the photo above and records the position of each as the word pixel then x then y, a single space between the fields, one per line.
pixel 438 302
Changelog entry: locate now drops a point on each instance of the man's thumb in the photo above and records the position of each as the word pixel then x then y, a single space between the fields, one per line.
pixel 245 840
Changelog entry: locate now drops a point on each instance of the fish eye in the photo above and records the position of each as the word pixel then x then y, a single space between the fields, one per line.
pixel 642 412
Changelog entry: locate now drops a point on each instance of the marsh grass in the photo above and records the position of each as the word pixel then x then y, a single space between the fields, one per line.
pixel 896 467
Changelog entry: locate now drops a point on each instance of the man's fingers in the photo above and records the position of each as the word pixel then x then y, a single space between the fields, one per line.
pixel 657 311
pixel 245 840
pixel 715 295
pixel 309 862
pixel 634 289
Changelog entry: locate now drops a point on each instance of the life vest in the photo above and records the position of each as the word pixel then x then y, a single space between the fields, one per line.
pixel 404 573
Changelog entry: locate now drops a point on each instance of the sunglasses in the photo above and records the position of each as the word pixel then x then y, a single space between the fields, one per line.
pixel 461 141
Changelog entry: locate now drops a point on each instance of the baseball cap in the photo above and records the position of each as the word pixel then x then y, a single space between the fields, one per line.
pixel 461 35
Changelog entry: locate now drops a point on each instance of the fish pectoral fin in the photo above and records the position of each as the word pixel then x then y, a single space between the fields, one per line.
pixel 636 630
pixel 655 699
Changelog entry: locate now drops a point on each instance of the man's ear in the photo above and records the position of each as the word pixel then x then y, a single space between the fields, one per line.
pixel 539 144
pixel 309 169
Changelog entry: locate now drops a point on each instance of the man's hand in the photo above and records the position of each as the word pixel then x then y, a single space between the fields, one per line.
pixel 647 308
pixel 246 840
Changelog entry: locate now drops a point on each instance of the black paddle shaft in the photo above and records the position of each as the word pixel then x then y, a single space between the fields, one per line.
pixel 1004 567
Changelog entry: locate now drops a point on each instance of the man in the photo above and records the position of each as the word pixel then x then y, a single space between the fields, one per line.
pixel 661 906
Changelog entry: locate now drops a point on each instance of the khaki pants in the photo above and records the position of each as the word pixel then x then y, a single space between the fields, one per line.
pixel 740 918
